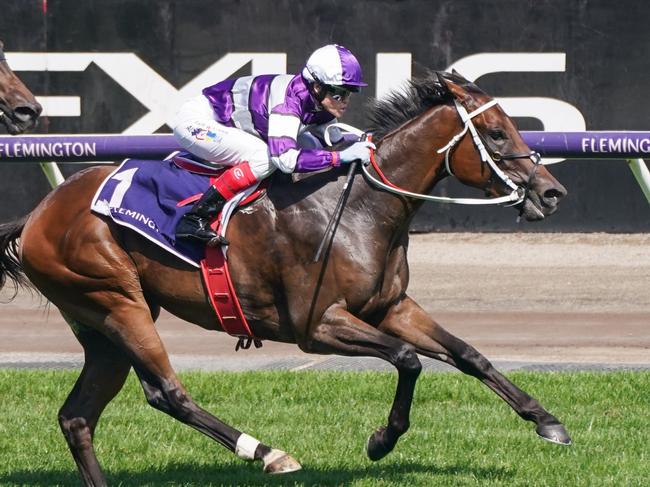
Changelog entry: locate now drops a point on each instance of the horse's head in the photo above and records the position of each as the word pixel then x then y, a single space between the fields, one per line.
pixel 19 110
pixel 489 152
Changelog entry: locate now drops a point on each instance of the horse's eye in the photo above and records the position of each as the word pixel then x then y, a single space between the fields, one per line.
pixel 496 134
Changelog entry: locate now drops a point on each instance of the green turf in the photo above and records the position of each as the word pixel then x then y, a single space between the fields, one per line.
pixel 461 433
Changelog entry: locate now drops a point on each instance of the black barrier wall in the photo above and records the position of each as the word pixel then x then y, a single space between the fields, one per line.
pixel 558 65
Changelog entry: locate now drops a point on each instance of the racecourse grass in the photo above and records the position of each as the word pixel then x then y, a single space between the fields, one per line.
pixel 461 433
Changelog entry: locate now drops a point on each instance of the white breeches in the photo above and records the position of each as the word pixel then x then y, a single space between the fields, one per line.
pixel 196 130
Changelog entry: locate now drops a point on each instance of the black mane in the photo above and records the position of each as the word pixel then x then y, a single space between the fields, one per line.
pixel 417 96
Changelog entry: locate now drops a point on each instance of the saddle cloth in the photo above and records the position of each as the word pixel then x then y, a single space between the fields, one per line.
pixel 151 196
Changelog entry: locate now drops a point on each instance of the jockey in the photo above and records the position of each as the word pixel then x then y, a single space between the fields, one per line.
pixel 257 124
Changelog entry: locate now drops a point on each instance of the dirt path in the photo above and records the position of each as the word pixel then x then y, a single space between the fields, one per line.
pixel 517 297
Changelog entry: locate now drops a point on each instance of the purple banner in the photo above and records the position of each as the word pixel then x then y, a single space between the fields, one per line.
pixel 83 148
pixel 590 145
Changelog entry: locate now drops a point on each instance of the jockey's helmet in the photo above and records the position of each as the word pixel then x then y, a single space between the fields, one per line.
pixel 334 65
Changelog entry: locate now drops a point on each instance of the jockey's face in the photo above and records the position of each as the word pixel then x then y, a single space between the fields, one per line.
pixel 336 102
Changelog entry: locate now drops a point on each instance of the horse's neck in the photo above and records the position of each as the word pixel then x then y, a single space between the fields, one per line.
pixel 408 158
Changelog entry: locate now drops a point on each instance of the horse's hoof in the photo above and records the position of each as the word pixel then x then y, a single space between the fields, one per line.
pixel 376 448
pixel 280 462
pixel 555 433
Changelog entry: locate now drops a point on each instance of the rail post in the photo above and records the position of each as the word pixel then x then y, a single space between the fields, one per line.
pixel 642 175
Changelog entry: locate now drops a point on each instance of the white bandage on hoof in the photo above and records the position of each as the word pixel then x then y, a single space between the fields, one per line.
pixel 246 446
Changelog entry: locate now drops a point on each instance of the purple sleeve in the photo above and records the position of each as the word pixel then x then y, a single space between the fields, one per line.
pixel 307 160
pixel 315 160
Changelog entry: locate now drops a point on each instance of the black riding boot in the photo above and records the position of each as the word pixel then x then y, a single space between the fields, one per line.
pixel 195 225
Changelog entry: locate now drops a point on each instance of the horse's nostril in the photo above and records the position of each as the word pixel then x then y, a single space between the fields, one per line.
pixel 25 113
pixel 552 196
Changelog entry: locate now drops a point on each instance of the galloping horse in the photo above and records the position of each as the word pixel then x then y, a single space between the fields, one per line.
pixel 19 110
pixel 110 283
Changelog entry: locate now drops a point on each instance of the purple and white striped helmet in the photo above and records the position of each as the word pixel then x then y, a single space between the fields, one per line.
pixel 334 65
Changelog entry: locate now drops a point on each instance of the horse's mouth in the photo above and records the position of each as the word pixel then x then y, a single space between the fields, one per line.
pixel 534 208
pixel 530 211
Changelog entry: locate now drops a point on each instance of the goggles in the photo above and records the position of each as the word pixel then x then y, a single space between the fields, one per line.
pixel 338 93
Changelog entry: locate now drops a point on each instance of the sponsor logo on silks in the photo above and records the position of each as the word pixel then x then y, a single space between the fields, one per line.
pixel 137 216
pixel 200 133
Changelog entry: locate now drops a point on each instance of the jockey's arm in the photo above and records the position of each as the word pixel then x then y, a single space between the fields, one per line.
pixel 285 152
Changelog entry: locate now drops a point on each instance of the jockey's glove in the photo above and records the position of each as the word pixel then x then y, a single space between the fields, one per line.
pixel 359 151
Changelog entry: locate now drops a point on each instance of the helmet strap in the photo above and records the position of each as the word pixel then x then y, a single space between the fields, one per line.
pixel 319 94
pixel 323 92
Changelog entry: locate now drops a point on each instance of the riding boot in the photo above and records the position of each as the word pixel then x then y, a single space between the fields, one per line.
pixel 195 225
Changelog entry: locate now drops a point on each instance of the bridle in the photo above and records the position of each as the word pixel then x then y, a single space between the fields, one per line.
pixel 489 157
pixel 516 196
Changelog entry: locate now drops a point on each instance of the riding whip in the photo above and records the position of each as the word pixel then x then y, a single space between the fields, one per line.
pixel 339 207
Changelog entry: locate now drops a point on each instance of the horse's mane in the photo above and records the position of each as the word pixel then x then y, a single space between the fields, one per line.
pixel 415 97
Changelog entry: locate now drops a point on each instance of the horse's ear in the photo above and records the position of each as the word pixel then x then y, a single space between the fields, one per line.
pixel 459 77
pixel 450 81
pixel 442 80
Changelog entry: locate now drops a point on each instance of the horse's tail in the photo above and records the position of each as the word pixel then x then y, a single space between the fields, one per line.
pixel 10 265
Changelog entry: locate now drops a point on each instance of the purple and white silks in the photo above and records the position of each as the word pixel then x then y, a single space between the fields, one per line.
pixel 275 108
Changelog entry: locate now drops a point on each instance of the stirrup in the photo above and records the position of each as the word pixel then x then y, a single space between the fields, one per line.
pixel 217 241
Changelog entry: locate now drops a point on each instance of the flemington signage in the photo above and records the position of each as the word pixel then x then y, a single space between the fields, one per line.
pixel 79 148
pixel 47 150
pixel 595 145
pixel 85 147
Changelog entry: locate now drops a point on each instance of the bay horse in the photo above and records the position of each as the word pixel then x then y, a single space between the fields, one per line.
pixel 19 109
pixel 110 283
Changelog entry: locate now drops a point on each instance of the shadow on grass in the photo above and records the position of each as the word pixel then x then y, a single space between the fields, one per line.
pixel 251 474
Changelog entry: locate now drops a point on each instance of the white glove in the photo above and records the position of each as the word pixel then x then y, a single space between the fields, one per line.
pixel 359 151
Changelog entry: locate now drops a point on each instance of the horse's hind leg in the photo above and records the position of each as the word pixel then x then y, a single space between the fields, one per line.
pixel 102 377
pixel 411 323
pixel 134 331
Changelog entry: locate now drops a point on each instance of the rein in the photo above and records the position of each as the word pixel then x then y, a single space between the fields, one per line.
pixel 517 195
pixel 3 58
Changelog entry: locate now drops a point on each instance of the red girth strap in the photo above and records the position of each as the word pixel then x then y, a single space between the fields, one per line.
pixel 223 297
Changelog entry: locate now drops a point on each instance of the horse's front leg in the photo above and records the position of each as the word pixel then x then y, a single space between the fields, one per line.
pixel 343 334
pixel 409 322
